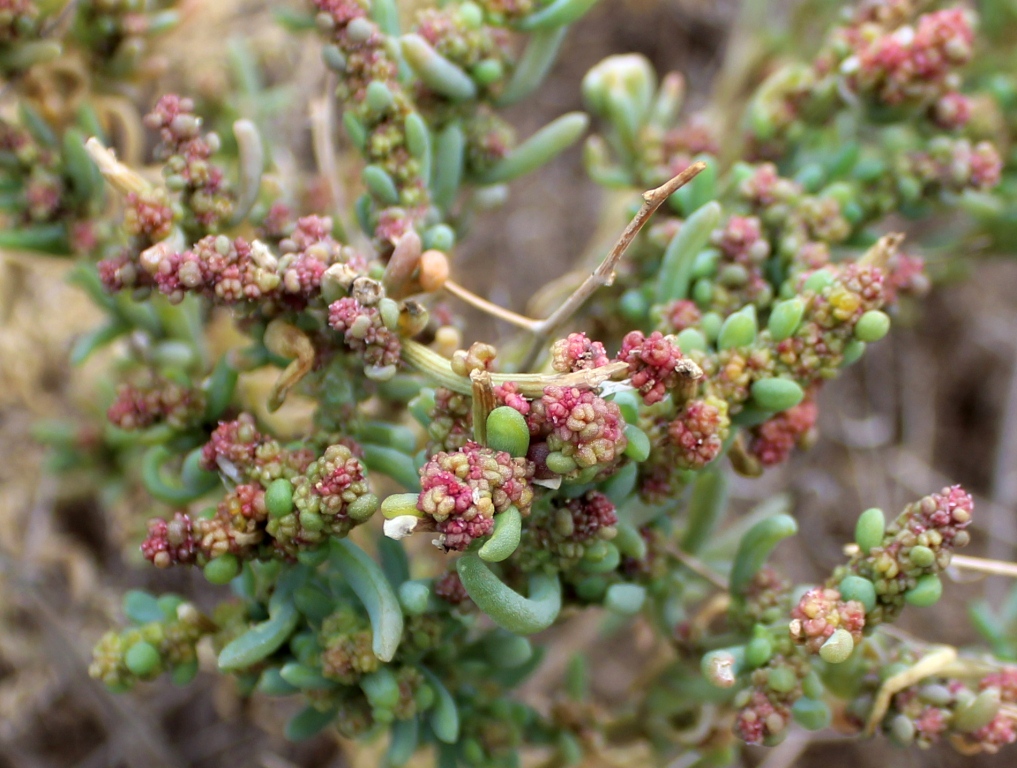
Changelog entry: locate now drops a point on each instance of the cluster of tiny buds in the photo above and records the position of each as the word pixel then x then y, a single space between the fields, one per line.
pixel 237 272
pixel 462 491
pixel 187 154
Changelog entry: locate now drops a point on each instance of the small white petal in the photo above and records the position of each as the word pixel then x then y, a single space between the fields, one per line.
pixel 609 388
pixel 400 527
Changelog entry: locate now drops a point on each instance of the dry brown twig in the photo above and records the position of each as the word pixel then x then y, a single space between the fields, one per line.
pixel 603 275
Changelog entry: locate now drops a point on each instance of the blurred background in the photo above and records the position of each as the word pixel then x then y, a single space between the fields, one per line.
pixel 933 404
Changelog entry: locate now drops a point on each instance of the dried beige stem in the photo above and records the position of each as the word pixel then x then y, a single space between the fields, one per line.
pixel 288 341
pixel 483 403
pixel 532 385
pixel 930 664
pixel 122 178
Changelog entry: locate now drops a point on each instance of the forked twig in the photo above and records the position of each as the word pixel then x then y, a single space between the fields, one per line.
pixel 604 274
pixel 601 276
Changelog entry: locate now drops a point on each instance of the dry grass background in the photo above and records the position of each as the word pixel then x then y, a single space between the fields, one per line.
pixel 935 403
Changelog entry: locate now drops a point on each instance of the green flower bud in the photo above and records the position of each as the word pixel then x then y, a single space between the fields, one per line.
pixel 507 431
pixel 440 237
pixel 279 497
pixel 921 556
pixel 638 447
pixel 560 464
pixel 702 292
pixel 811 714
pixel 869 529
pixel 691 339
pixel 838 647
pixel 381 185
pixel 488 72
pixel 860 589
pixel 222 569
pixel 711 325
pixel 379 97
pixel 437 73
pixel 785 318
pixel 758 651
pixel 739 329
pixel 625 599
pixel 777 394
pixel 471 15
pixel 926 592
pixel 872 326
pixel 705 263
pixel 819 280
pixel 601 559
pixel 633 305
pixel 782 679
pixel 978 712
pixel 142 659
pixel 902 729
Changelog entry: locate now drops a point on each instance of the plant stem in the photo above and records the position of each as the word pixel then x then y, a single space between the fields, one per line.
pixel 604 274
pixel 494 310
pixel 439 370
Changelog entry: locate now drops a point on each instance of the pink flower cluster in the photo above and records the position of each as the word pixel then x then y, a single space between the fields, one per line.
pixel 462 491
pixel 187 155
pixel 145 403
pixel 774 439
pixel 912 63
pixel 236 271
pixel 577 352
pixel 698 432
pixel 582 426
pixel 365 332
pixel 653 364
pixel 819 613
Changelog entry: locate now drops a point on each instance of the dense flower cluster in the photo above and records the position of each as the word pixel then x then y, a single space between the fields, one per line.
pixel 698 432
pixel 820 613
pixel 451 421
pixel 655 364
pixel 970 716
pixel 154 400
pixel 462 491
pixel 145 651
pixel 774 439
pixel 287 500
pixel 915 548
pixel 911 64
pixel 586 430
pixel 188 167
pixel 765 706
pixel 364 331
pixel 237 272
pixel 577 352
pixel 561 536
